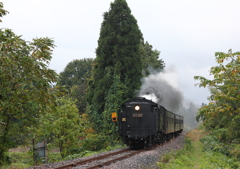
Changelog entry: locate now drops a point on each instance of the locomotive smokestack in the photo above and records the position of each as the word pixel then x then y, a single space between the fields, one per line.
pixel 162 88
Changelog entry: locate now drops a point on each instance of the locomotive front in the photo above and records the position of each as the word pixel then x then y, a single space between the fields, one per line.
pixel 137 122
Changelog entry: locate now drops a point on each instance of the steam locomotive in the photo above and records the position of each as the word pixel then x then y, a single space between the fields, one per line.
pixel 143 123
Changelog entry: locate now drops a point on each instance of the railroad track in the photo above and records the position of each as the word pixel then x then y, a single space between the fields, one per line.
pixel 95 162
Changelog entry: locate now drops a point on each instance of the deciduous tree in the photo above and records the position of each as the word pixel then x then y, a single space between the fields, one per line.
pixel 25 80
pixel 74 78
pixel 223 110
pixel 64 126
pixel 76 72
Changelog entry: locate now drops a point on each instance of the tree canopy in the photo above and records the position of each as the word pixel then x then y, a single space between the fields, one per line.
pixel 74 78
pixel 223 113
pixel 76 72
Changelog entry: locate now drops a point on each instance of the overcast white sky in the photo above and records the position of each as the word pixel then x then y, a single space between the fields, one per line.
pixel 187 32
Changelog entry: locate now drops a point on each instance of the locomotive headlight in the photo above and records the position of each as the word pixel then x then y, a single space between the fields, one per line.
pixel 137 108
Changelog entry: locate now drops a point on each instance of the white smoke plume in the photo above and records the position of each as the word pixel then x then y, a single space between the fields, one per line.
pixel 162 88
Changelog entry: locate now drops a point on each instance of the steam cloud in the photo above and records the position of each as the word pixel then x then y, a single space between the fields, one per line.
pixel 162 88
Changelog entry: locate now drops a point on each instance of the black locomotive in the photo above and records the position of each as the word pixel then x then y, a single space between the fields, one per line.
pixel 143 123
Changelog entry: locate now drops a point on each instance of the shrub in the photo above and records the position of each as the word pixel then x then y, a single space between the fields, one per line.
pixel 166 158
pixel 18 157
pixel 54 157
pixel 74 150
pixel 188 144
pixel 211 143
pixel 95 142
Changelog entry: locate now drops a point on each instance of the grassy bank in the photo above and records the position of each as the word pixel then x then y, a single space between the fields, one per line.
pixel 200 152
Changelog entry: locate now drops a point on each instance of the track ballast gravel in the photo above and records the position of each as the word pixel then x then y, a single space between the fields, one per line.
pixel 149 158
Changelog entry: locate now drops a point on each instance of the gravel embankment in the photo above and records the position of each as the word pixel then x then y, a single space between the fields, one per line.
pixel 146 159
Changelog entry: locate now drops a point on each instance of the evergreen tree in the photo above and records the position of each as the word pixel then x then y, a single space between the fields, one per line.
pixel 117 55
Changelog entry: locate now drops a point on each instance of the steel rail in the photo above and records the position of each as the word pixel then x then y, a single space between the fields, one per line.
pixel 74 164
pixel 116 159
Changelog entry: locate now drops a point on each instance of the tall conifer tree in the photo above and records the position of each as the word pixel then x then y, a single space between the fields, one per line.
pixel 117 55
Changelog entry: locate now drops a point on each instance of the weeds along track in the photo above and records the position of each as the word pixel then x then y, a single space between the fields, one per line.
pixel 103 160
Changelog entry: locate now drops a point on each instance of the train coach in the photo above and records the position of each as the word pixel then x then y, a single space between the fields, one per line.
pixel 143 123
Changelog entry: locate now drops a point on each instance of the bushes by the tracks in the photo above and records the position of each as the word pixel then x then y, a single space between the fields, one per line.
pixel 19 160
pixel 211 143
pixel 95 142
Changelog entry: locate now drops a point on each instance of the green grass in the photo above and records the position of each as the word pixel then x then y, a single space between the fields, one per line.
pixel 192 156
pixel 90 153
pixel 16 166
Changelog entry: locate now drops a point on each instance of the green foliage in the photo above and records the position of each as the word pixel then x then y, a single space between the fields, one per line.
pixel 179 159
pixel 18 157
pixel 235 151
pixel 16 166
pixel 24 159
pixel 95 142
pixel 223 112
pixel 150 58
pixel 113 100
pixel 166 158
pixel 220 154
pixel 74 150
pixel 201 126
pixel 85 153
pixel 25 91
pixel 2 11
pixel 188 145
pixel 74 78
pixel 192 156
pixel 64 126
pixel 118 57
pixel 76 72
pixel 211 143
pixel 78 93
pixel 54 157
pixel 74 156
pixel 217 160
pixel 4 158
